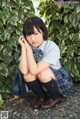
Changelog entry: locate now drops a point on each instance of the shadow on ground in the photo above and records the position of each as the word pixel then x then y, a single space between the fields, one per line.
pixel 68 109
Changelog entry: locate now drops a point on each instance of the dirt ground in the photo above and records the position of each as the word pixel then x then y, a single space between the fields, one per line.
pixel 69 108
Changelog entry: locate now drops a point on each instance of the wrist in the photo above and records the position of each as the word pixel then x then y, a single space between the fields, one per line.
pixel 23 47
pixel 28 46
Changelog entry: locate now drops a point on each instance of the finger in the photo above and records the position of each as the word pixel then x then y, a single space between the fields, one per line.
pixel 21 37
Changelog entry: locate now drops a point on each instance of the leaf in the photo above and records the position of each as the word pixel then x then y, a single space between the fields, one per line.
pixel 4 16
pixel 16 57
pixel 63 48
pixel 7 50
pixel 1 47
pixel 73 19
pixel 4 70
pixel 78 9
pixel 2 37
pixel 1 100
pixel 12 42
pixel 13 20
pixel 8 59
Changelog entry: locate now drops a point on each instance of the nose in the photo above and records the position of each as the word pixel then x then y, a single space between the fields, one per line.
pixel 33 38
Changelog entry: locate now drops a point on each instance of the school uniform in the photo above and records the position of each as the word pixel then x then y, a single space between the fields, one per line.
pixel 49 52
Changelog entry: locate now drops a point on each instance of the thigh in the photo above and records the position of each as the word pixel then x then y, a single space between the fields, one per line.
pixel 46 75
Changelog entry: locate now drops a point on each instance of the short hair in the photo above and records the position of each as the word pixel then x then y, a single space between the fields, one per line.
pixel 30 23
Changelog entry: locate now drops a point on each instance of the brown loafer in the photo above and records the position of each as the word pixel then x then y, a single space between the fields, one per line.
pixel 50 103
pixel 38 102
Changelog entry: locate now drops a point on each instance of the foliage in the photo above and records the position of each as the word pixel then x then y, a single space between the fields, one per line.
pixel 12 15
pixel 63 23
pixel 1 101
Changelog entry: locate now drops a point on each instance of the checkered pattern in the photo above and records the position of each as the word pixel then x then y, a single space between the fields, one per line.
pixel 62 77
pixel 63 80
pixel 38 54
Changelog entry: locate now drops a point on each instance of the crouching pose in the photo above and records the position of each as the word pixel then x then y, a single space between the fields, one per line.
pixel 40 65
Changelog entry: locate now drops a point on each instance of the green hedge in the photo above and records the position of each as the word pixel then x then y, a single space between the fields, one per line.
pixel 63 23
pixel 12 15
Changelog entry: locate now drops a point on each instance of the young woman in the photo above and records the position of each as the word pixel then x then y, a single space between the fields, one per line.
pixel 40 65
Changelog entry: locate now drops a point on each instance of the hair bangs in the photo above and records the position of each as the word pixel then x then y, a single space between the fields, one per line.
pixel 28 29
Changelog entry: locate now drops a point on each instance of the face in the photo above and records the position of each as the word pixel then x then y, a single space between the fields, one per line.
pixel 35 39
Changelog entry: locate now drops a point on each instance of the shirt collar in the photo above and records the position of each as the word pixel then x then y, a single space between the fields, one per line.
pixel 43 45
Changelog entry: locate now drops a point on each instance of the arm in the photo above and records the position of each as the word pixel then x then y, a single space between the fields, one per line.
pixel 23 62
pixel 34 68
pixel 51 57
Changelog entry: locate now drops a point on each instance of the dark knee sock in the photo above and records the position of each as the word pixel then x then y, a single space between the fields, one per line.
pixel 52 88
pixel 36 87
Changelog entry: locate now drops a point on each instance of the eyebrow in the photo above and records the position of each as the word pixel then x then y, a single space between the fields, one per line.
pixel 36 31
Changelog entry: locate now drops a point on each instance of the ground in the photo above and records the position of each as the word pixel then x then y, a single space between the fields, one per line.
pixel 69 108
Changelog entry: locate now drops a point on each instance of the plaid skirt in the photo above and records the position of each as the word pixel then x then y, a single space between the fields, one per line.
pixel 62 77
pixel 63 80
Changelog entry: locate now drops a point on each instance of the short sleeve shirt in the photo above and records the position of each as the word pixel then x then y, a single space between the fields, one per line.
pixel 51 54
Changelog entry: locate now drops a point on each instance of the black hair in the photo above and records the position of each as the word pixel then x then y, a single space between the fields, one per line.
pixel 30 23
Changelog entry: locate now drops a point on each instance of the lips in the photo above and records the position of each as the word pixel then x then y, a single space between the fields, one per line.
pixel 34 42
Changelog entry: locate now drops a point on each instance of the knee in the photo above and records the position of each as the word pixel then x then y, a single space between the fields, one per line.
pixel 42 77
pixel 46 75
pixel 29 77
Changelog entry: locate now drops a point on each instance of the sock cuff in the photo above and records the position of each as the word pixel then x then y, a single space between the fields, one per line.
pixel 50 82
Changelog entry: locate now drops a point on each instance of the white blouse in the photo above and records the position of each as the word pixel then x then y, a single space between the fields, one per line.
pixel 51 53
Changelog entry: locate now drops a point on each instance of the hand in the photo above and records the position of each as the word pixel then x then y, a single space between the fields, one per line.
pixel 21 40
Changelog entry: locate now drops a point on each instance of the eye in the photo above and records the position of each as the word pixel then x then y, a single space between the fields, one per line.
pixel 35 33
